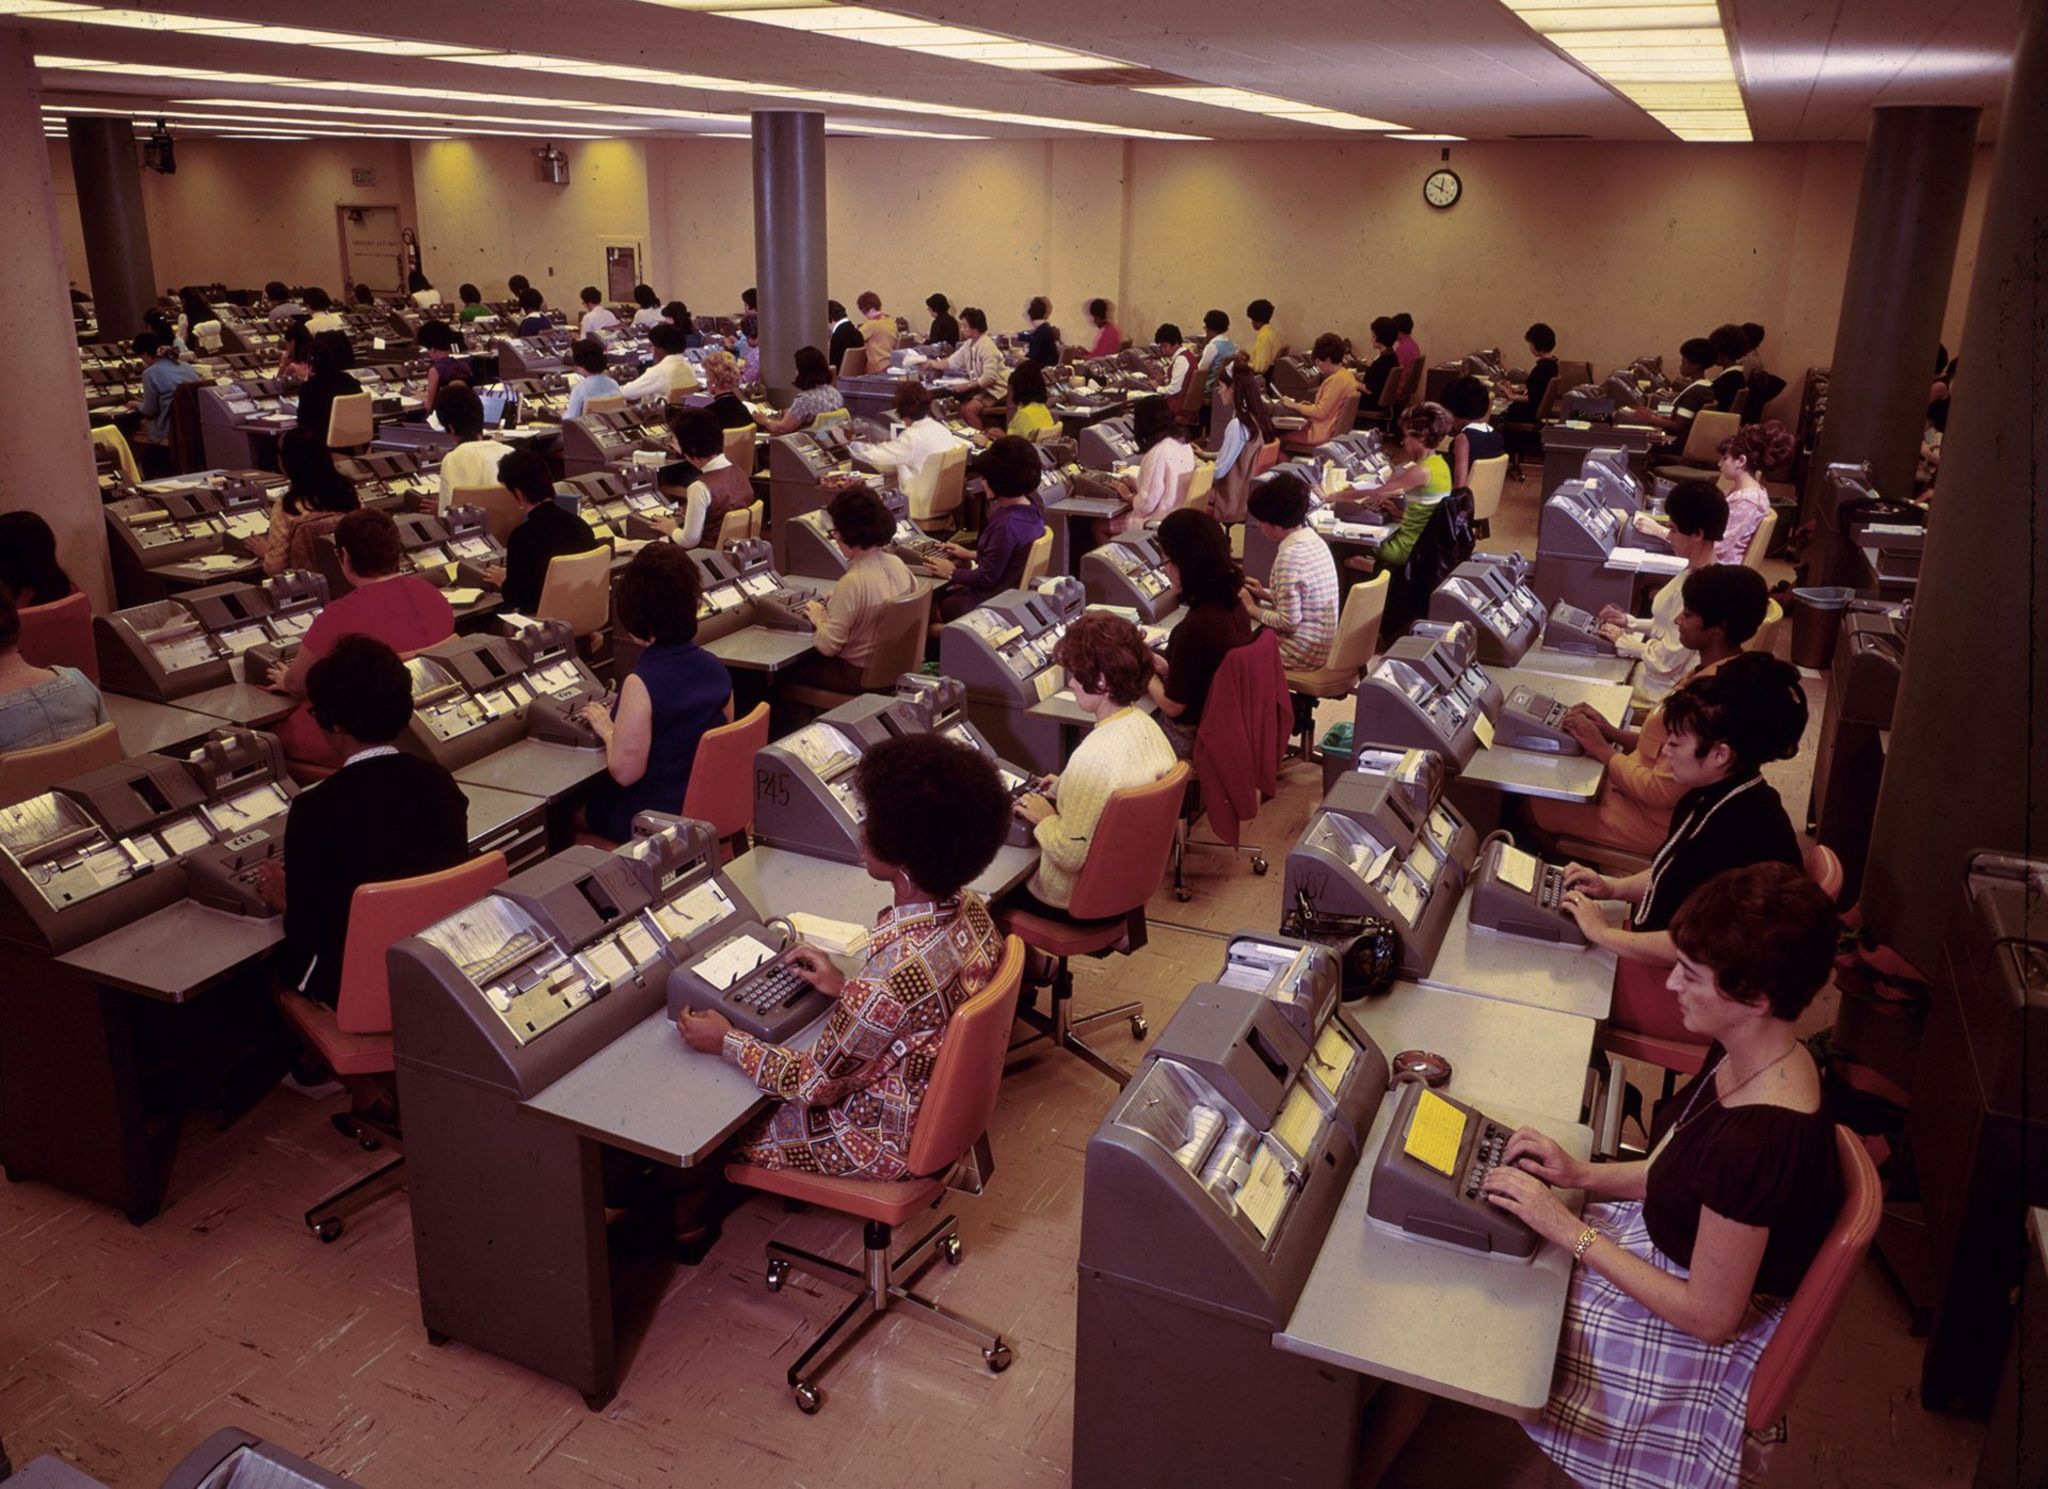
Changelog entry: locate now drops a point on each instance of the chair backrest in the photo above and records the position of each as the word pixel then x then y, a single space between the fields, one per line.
pixel 32 771
pixel 1269 454
pixel 578 589
pixel 939 485
pixel 1200 482
pixel 612 403
pixel 1487 478
pixel 739 447
pixel 1709 427
pixel 60 634
pixel 721 789
pixel 1347 413
pixel 1554 390
pixel 968 1074
pixel 1038 562
pixel 502 510
pixel 739 523
pixel 899 641
pixel 1358 627
pixel 381 915
pixel 1824 868
pixel 1786 1359
pixel 1760 540
pixel 853 362
pixel 1192 394
pixel 352 421
pixel 1739 402
pixel 1766 637
pixel 1411 375
pixel 830 416
pixel 116 444
pixel 1135 839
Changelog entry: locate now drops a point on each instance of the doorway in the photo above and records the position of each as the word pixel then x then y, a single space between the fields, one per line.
pixel 372 248
pixel 621 270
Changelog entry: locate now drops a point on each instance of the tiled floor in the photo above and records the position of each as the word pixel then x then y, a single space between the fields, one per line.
pixel 122 1347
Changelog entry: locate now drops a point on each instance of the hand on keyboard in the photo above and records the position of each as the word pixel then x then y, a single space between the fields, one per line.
pixel 1531 1201
pixel 817 969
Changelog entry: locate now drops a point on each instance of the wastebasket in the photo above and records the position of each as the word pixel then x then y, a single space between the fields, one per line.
pixel 1816 621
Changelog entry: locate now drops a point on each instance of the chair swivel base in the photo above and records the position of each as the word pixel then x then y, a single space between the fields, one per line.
pixel 325 1219
pixel 884 1287
pixel 1061 1028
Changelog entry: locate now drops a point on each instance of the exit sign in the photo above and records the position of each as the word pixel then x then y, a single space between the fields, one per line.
pixel 362 175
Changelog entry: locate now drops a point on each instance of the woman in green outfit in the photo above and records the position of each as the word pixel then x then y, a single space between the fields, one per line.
pixel 1419 482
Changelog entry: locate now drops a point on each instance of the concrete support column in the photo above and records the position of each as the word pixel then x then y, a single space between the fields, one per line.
pixel 116 229
pixel 789 238
pixel 1967 766
pixel 1916 174
pixel 48 466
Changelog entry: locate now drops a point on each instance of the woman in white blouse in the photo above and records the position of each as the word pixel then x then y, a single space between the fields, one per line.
pixel 921 438
pixel 1699 514
pixel 1165 463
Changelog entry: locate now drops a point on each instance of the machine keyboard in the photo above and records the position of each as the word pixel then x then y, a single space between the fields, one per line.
pixel 1486 1155
pixel 777 986
pixel 1550 891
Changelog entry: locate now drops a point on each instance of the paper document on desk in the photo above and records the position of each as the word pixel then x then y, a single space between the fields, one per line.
pixel 462 595
pixel 213 563
pixel 733 960
pixel 839 937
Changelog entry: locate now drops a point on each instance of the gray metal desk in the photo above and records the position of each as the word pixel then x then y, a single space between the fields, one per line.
pixel 778 880
pixel 176 953
pixel 1529 1056
pixel 243 704
pixel 506 822
pixel 1575 980
pixel 1065 557
pixel 1532 772
pixel 148 728
pixel 761 649
pixel 1608 699
pixel 1577 665
pixel 1453 1323
pixel 194 574
pixel 554 773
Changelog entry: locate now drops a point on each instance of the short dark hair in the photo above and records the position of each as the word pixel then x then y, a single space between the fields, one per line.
pixel 438 336
pixel 530 300
pixel 1404 323
pixel 1697 350
pixel 587 352
pixel 315 298
pixel 275 290
pixel 1541 337
pixel 1328 347
pixel 148 344
pixel 697 434
pixel 1198 547
pixel 750 297
pixel 590 294
pixel 1383 331
pixel 1466 397
pixel 1766 932
pixel 812 370
pixel 518 284
pixel 1099 310
pixel 1428 422
pixel 1027 384
pixel 1215 322
pixel 913 400
pixel 1101 647
pixel 834 309
pixel 332 352
pixel 937 302
pixel 371 541
pixel 935 809
pixel 867 300
pixel 645 297
pixel 1732 597
pixel 1038 308
pixel 860 519
pixel 1753 333
pixel 1010 466
pixel 524 472
pixel 1168 334
pixel 971 317
pixel 1698 509
pixel 1151 420
pixel 657 595
pixel 1259 310
pixel 1281 499
pixel 1729 343
pixel 469 294
pixel 667 338
pixel 460 411
pixel 362 689
pixel 10 622
pixel 1761 447
pixel 677 312
pixel 1753 703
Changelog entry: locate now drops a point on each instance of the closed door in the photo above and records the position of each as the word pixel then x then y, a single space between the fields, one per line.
pixel 372 248
pixel 621 271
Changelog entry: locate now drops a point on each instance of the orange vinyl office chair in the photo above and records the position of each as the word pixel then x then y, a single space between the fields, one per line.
pixel 948 1150
pixel 1811 1311
pixel 32 771
pixel 59 634
pixel 721 789
pixel 1135 836
pixel 354 1036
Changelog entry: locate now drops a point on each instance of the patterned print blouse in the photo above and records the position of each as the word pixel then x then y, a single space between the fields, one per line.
pixel 850 1102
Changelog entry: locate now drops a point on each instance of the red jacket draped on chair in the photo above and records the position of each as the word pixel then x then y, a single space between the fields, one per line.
pixel 1244 729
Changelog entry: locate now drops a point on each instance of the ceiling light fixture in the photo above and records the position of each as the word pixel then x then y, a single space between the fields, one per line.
pixel 1672 61
pixel 1268 106
pixel 883 28
pixel 440 128
pixel 1427 138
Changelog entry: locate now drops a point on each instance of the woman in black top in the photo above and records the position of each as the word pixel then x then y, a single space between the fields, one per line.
pixel 29 570
pixel 1723 729
pixel 1374 379
pixel 1198 560
pixel 945 330
pixel 1542 371
pixel 1042 339
pixel 1469 401
pixel 332 358
pixel 547 531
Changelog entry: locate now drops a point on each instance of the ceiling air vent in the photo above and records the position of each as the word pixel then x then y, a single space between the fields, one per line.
pixel 1550 136
pixel 1118 77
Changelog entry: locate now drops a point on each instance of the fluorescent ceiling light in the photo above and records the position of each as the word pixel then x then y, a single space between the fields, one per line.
pixel 1672 60
pixel 853 126
pixel 266 137
pixel 883 28
pixel 37 7
pixel 1426 138
pixel 348 108
pixel 1268 106
pixel 187 118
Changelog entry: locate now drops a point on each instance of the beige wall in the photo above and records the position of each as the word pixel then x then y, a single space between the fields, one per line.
pixel 246 211
pixel 483 215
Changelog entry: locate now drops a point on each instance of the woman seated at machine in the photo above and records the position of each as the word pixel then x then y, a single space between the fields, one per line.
pixel 921 437
pixel 1683 1259
pixel 848 621
pixel 1198 561
pixel 936 813
pixel 675 694
pixel 1165 464
pixel 815 395
pixel 1699 515
pixel 1421 479
pixel 40 705
pixel 1011 468
pixel 715 486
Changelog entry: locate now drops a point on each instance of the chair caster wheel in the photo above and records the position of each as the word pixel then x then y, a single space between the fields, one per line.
pixel 997 1357
pixel 1182 894
pixel 368 1144
pixel 1259 864
pixel 436 1338
pixel 808 1397
pixel 328 1230
pixel 1139 1026
pixel 950 1250
pixel 778 1272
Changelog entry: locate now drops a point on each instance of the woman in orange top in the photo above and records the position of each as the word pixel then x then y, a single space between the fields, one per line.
pixel 1337 388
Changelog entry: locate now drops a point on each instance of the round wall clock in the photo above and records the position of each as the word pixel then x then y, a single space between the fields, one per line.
pixel 1443 188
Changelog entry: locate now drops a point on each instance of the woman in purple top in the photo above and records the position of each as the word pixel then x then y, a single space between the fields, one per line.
pixel 1012 468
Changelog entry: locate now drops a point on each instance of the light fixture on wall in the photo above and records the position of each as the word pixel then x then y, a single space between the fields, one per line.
pixel 551 165
pixel 158 151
